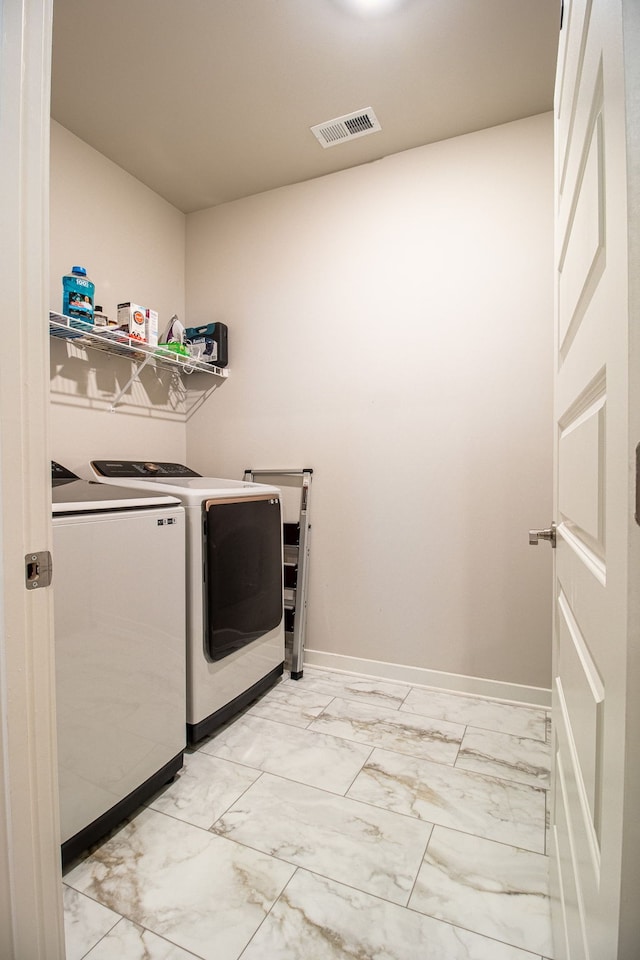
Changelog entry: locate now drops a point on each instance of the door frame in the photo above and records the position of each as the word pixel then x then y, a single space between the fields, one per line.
pixel 629 924
pixel 31 922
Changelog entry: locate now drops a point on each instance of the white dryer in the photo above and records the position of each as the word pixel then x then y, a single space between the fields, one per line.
pixel 235 620
pixel 119 625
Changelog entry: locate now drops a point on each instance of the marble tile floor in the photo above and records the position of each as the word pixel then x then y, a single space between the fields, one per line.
pixel 338 818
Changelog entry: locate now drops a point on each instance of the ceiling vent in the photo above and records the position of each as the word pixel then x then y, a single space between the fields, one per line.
pixel 350 127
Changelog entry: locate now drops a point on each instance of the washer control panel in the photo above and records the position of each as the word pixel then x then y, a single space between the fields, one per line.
pixel 142 469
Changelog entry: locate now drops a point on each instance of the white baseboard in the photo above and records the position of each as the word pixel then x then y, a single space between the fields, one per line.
pixel 421 677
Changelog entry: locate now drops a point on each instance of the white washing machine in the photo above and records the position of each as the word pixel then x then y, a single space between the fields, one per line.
pixel 119 626
pixel 235 621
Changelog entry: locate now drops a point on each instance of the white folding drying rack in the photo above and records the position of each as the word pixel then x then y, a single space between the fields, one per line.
pixel 296 538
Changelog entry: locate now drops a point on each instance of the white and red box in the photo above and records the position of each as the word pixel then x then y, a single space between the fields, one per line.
pixel 132 320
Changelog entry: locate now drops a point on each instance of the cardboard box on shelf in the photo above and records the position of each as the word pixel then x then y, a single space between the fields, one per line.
pixel 132 319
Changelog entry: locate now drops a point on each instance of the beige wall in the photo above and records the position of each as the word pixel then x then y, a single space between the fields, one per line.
pixel 132 243
pixel 391 326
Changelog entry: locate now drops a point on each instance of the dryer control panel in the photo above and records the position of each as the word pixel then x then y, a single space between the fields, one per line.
pixel 142 469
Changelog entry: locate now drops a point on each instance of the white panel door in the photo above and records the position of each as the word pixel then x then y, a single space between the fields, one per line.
pixel 593 496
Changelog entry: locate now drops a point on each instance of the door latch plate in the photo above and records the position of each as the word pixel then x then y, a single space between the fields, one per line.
pixel 38 570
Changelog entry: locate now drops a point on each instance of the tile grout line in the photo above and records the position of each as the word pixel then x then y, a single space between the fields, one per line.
pixel 357 775
pixel 106 934
pixel 172 943
pixel 458 926
pixel 424 853
pixel 268 913
pixel 233 802
pixel 455 762
pixel 123 916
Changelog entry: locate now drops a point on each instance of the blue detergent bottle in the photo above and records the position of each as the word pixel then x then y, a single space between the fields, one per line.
pixel 77 297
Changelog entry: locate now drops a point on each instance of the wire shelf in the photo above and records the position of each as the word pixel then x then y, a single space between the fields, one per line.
pixel 118 344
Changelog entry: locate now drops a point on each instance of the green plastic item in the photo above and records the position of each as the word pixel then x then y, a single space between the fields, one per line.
pixel 174 348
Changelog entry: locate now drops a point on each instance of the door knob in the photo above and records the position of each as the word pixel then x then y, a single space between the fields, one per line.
pixel 536 535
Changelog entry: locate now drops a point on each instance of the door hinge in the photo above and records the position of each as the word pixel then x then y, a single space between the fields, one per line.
pixel 38 569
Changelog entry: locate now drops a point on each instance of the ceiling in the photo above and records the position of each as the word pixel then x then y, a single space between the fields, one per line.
pixel 207 101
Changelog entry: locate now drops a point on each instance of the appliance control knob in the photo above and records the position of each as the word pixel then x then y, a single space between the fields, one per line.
pixel 151 468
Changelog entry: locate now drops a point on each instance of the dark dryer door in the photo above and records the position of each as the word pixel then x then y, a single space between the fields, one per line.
pixel 243 572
